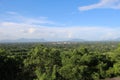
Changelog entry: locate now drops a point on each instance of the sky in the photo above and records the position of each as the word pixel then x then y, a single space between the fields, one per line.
pixel 60 19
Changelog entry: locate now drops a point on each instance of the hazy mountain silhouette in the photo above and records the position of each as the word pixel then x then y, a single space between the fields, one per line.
pixel 24 40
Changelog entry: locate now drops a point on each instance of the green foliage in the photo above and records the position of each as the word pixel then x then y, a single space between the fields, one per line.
pixel 9 68
pixel 84 61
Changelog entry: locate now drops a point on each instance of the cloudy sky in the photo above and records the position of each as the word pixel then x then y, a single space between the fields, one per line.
pixel 60 19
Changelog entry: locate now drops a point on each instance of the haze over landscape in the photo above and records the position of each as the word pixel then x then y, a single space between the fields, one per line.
pixel 58 20
pixel 59 39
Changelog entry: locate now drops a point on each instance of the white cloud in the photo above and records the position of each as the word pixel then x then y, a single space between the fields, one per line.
pixel 112 4
pixel 12 12
pixel 19 30
pixel 16 17
pixel 29 30
pixel 14 29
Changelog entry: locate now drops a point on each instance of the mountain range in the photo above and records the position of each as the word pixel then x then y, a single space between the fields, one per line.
pixel 23 40
pixel 43 40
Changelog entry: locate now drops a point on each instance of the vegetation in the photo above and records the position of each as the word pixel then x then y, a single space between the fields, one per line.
pixel 48 61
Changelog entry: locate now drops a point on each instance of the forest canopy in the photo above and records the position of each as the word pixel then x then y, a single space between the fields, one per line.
pixel 47 61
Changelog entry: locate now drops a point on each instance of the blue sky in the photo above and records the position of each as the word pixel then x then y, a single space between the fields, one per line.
pixel 60 19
